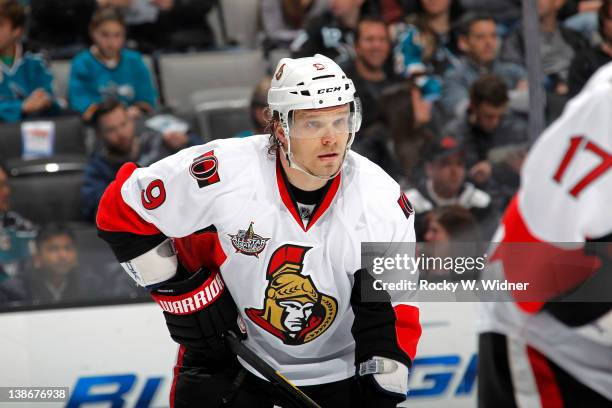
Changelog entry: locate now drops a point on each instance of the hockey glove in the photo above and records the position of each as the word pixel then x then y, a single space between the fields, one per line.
pixel 199 310
pixel 383 382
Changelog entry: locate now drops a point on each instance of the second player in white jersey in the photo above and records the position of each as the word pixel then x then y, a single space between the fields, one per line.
pixel 556 352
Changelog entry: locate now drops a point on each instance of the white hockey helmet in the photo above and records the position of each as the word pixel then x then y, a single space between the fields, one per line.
pixel 311 83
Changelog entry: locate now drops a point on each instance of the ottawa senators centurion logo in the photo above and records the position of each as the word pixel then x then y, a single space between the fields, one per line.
pixel 294 310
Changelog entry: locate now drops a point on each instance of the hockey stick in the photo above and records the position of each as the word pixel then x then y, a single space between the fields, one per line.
pixel 290 390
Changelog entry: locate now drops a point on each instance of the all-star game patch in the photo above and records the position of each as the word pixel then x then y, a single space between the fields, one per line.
pixel 247 242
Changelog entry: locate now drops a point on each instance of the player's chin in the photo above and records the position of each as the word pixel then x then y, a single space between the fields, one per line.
pixel 329 169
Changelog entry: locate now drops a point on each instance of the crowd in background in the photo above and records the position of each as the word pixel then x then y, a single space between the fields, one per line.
pixel 443 87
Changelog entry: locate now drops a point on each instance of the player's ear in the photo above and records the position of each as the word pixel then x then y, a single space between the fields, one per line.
pixel 280 133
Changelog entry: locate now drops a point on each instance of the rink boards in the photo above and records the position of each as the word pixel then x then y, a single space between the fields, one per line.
pixel 123 354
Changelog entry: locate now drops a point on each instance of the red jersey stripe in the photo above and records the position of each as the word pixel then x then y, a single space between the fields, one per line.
pixel 114 215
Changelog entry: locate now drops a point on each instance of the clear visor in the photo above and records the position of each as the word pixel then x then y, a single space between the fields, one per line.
pixel 336 121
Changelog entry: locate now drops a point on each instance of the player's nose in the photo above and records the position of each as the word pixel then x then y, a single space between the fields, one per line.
pixel 329 137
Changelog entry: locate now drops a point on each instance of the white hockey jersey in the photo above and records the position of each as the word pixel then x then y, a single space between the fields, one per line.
pixel 228 207
pixel 565 196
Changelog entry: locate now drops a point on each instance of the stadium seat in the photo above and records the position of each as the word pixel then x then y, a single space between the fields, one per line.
pixel 184 74
pixel 229 93
pixel 61 71
pixel 47 190
pixel 276 55
pixel 10 141
pixel 221 113
pixel 69 138
pixel 239 21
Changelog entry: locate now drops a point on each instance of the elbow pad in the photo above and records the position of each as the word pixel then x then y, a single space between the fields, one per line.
pixel 154 267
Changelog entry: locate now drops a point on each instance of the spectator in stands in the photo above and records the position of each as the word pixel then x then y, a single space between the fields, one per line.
pixel 446 185
pixel 507 13
pixel 426 45
pixel 57 276
pixel 557 45
pixel 25 81
pixel 116 129
pixel 588 60
pixel 451 231
pixel 330 34
pixel 478 40
pixel 59 27
pixel 16 233
pixel 396 139
pixel 495 139
pixel 372 50
pixel 451 223
pixel 395 12
pixel 392 11
pixel 581 16
pixel 169 25
pixel 108 69
pixel 282 20
pixel 259 108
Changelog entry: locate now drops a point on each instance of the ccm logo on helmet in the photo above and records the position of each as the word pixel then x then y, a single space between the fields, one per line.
pixel 327 90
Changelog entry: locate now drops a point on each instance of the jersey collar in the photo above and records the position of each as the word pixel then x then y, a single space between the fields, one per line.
pixel 291 204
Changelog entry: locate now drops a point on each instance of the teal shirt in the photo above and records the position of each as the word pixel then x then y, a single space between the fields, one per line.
pixel 244 133
pixel 18 81
pixel 91 81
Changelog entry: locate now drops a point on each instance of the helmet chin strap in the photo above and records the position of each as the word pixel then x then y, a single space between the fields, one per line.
pixel 295 165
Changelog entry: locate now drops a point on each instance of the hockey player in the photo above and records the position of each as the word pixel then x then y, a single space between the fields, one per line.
pixel 277 222
pixel 553 346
